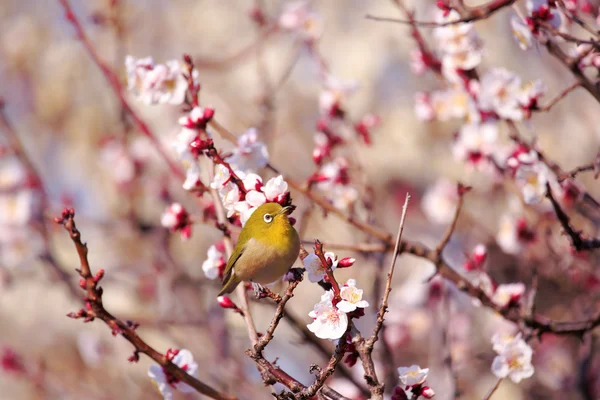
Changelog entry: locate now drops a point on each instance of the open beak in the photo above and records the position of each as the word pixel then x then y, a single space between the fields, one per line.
pixel 287 210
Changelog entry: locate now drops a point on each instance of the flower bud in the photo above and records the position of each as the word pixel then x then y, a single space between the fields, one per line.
pixel 346 262
pixel 480 254
pixel 208 114
pixel 427 392
pixel 226 302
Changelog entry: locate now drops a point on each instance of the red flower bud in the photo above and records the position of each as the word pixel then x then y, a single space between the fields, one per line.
pixel 427 392
pixel 209 112
pixel 346 262
pixel 226 302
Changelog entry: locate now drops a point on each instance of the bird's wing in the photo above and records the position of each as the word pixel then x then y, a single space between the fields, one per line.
pixel 228 273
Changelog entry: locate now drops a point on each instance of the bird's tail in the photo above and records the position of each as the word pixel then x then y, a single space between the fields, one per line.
pixel 229 285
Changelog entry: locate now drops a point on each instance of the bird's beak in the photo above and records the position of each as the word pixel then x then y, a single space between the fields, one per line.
pixel 287 210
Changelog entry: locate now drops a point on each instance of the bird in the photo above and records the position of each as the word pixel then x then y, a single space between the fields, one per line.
pixel 266 249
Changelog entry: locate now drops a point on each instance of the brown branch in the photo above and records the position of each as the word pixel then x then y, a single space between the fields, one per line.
pixel 593 166
pixel 578 242
pixel 38 184
pixel 461 190
pixel 559 97
pixel 320 346
pixel 573 66
pixel 335 359
pixel 327 267
pixel 489 395
pixel 567 37
pixel 388 283
pixel 95 309
pixel 469 14
pixel 115 84
pixel 365 347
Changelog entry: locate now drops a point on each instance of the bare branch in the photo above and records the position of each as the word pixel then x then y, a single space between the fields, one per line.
pixel 388 283
pixel 95 309
pixel 470 14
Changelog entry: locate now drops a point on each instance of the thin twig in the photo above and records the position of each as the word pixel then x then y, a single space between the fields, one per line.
pixel 470 15
pixel 491 392
pixel 388 282
pixel 559 97
pixel 95 309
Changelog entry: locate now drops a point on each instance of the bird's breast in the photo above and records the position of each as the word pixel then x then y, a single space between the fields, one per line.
pixel 263 263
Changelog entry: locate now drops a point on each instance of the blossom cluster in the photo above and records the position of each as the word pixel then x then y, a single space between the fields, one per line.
pixel 513 359
pixel 413 384
pixel 167 383
pixel 330 315
pixel 156 83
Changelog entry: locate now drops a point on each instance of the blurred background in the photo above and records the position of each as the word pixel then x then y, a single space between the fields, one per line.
pixel 74 132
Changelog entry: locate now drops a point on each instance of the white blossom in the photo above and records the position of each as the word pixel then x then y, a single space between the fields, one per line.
pixel 532 180
pixel 314 267
pixel 16 209
pixel 334 92
pixel 351 297
pixel 214 262
pixel 507 293
pixel 185 360
pixel 499 92
pixel 439 202
pixel 250 153
pixel 156 83
pixel 476 141
pixel 514 358
pixel 521 32
pixel 275 188
pixel 118 162
pixel 298 17
pixel 192 176
pixel 460 46
pixel 181 144
pixel 343 197
pixel 413 375
pixel 508 235
pixel 329 322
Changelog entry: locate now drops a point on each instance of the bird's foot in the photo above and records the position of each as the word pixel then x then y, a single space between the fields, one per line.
pixel 259 290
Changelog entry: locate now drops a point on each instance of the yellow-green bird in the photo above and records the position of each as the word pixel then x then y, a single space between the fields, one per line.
pixel 266 249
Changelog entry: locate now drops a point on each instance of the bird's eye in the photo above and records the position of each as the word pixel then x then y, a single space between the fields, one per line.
pixel 268 218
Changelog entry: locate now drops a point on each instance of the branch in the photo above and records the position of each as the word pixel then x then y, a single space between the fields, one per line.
pixel 95 309
pixel 36 183
pixel 493 390
pixel 559 97
pixel 470 14
pixel 460 190
pixel 115 84
pixel 578 242
pixel 388 283
pixel 570 63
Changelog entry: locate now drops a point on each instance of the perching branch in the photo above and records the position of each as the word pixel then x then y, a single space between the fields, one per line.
pixel 95 310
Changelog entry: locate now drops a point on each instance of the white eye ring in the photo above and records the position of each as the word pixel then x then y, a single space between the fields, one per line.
pixel 268 218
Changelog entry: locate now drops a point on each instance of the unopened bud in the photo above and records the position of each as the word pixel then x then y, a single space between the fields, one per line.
pixel 209 112
pixel 479 254
pixel 82 283
pixel 226 302
pixel 427 392
pixel 99 275
pixel 346 262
